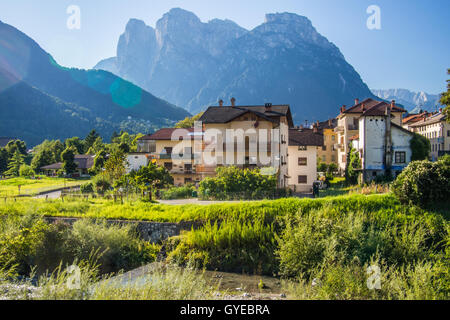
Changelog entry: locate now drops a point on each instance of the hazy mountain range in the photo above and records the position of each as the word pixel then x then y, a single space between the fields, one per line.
pixel 194 64
pixel 412 101
pixel 40 99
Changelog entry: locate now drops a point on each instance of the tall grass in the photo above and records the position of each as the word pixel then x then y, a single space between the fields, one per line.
pixel 163 282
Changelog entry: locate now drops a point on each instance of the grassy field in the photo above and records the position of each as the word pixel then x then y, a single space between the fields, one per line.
pixel 317 248
pixel 10 187
pixel 268 210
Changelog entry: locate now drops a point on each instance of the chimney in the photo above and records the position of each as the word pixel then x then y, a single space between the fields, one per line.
pixel 342 108
pixel 392 104
pixel 268 106
pixel 356 101
pixel 221 103
pixel 233 102
pixel 330 122
pixel 315 129
pixel 363 107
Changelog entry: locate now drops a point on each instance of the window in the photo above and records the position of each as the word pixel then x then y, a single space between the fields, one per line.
pixel 187 180
pixel 188 167
pixel 400 157
pixel 302 161
pixel 168 165
pixel 333 158
pixel 448 133
pixel 324 148
pixel 302 179
pixel 168 150
pixel 333 138
pixel 301 148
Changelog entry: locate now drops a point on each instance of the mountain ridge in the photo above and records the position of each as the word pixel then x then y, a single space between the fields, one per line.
pixel 112 102
pixel 193 64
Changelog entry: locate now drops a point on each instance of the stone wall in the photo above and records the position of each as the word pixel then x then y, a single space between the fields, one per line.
pixel 148 231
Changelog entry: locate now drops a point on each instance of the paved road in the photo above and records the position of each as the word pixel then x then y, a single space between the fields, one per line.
pixel 51 195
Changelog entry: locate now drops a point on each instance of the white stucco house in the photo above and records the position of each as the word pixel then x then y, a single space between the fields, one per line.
pixel 136 160
pixel 302 158
pixel 383 145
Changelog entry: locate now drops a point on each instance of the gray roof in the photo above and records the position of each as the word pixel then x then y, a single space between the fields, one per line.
pixel 83 161
pixel 305 137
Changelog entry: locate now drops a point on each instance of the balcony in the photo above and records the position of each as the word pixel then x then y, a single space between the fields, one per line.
pixel 168 156
pixel 353 127
pixel 339 129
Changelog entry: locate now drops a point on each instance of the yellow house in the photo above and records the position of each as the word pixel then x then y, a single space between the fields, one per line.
pixel 328 152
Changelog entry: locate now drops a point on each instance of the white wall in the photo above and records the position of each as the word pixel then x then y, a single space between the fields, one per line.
pixel 294 170
pixel 136 161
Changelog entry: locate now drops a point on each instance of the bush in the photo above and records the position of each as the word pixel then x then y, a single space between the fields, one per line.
pixel 424 183
pixel 87 187
pixel 184 192
pixel 234 246
pixel 26 171
pixel 234 183
pixel 101 183
pixel 27 242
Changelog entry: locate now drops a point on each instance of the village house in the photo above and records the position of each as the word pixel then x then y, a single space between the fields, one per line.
pixel 84 163
pixel 349 120
pixel 170 148
pixel 328 153
pixel 383 145
pixel 201 150
pixel 302 159
pixel 411 119
pixel 264 129
pixel 436 129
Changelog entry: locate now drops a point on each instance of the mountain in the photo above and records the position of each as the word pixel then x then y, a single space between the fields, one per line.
pixel 194 64
pixel 37 94
pixel 413 101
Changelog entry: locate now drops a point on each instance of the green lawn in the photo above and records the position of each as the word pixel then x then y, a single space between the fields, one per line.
pixel 10 187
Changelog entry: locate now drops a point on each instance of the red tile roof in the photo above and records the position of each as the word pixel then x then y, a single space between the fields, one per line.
pixel 165 134
pixel 368 104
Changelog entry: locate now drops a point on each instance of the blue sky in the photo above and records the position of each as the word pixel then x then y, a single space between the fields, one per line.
pixel 412 49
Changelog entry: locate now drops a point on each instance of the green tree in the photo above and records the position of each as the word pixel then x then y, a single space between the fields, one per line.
pixel 124 147
pixel 77 143
pixel 90 139
pixel 188 122
pixel 445 99
pixel 97 147
pixel 115 165
pixel 353 163
pixel 4 157
pixel 420 147
pixel 68 158
pixel 99 161
pixel 42 158
pixel 26 171
pixel 14 145
pixel 152 176
pixel 14 164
